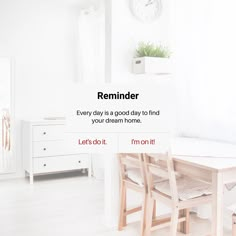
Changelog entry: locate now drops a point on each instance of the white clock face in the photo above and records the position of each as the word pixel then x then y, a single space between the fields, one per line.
pixel 146 10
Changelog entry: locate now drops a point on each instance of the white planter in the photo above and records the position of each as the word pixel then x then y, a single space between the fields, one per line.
pixel 152 65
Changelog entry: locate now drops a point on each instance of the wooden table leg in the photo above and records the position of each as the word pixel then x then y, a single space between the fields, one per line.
pixel 217 204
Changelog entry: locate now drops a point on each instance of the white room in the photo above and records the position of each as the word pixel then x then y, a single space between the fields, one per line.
pixel 49 49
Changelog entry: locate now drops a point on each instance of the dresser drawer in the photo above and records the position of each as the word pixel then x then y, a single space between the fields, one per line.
pixel 60 163
pixel 48 132
pixel 47 148
pixel 50 148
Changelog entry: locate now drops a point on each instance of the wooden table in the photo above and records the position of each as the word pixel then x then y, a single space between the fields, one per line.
pixel 217 170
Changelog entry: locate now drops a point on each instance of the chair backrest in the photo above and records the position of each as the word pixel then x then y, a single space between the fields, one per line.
pixel 161 165
pixel 128 161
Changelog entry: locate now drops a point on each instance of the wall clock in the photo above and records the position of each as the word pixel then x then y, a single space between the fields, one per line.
pixel 146 10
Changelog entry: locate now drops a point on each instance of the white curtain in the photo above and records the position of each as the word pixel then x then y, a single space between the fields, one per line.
pixel 205 55
pixel 91 45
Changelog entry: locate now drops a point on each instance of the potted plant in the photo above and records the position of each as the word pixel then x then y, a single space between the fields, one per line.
pixel 151 58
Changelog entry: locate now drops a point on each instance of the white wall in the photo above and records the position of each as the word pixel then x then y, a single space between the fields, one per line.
pixel 41 36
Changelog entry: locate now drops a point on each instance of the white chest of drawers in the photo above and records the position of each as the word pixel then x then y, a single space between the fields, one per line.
pixel 45 149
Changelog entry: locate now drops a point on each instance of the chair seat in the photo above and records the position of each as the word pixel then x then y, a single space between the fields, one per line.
pixel 134 175
pixel 187 188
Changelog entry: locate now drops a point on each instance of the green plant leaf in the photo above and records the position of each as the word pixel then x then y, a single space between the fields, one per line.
pixel 151 50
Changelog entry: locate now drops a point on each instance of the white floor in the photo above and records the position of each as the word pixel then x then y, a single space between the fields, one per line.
pixel 64 205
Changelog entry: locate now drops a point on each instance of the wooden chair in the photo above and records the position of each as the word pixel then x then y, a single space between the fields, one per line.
pixel 132 176
pixel 180 193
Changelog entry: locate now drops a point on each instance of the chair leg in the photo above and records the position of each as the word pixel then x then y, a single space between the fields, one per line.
pixel 184 226
pixel 122 216
pixel 154 210
pixel 144 212
pixel 149 214
pixel 234 225
pixel 174 221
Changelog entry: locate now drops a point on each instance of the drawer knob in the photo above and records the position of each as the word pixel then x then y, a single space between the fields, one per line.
pixel 44 149
pixel 44 164
pixel 79 161
pixel 44 133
